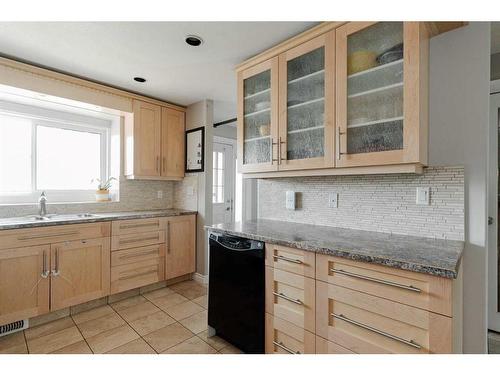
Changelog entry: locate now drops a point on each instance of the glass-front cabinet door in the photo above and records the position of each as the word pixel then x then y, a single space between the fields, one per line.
pixel 258 117
pixel 306 80
pixel 378 78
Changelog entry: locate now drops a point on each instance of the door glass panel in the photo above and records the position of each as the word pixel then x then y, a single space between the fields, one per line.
pixel 375 88
pixel 306 105
pixel 257 118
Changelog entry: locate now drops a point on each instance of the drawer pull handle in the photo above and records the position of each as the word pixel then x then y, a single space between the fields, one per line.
pixel 139 239
pixel 390 283
pixel 296 301
pixel 138 274
pixel 128 256
pixel 25 238
pixel 280 345
pixel 291 260
pixel 385 334
pixel 129 226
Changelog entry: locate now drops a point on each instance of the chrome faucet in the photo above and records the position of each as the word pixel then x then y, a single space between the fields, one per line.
pixel 42 205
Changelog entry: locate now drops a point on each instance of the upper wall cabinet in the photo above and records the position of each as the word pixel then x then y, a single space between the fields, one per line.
pixel 154 143
pixel 306 104
pixel 381 78
pixel 347 98
pixel 258 117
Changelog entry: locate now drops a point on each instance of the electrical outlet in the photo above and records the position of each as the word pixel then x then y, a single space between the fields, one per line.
pixel 333 200
pixel 159 194
pixel 423 195
pixel 290 200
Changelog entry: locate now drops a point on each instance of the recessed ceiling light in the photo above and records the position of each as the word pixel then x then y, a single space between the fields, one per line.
pixel 194 40
pixel 139 79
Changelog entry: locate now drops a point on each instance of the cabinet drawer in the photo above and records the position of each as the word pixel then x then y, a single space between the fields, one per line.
pixel 57 233
pixel 411 288
pixel 292 260
pixel 283 337
pixel 120 227
pixel 128 241
pixel 324 346
pixel 291 297
pixel 364 323
pixel 134 275
pixel 137 254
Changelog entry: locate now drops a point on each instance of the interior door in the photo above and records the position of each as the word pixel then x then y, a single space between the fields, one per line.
pixel 172 143
pixel 223 183
pixel 181 246
pixel 147 125
pixel 377 106
pixel 493 252
pixel 306 104
pixel 80 271
pixel 24 283
pixel 258 117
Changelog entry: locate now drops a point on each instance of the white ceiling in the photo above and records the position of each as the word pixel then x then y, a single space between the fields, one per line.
pixel 115 52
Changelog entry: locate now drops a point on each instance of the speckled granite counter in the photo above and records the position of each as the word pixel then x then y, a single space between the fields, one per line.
pixel 31 222
pixel 418 254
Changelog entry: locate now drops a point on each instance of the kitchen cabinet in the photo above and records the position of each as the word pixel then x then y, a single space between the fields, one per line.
pixel 181 246
pixel 306 105
pixel 381 93
pixel 173 147
pixel 258 117
pixel 24 282
pixel 352 99
pixel 154 143
pixel 80 271
pixel 326 304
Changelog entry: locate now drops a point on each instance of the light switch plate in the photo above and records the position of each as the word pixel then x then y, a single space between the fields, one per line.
pixel 333 200
pixel 423 195
pixel 290 200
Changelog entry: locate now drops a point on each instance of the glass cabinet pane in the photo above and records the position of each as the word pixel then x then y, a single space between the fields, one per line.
pixel 257 118
pixel 306 105
pixel 375 88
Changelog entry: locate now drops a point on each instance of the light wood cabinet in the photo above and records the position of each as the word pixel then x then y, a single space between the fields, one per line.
pixel 173 147
pixel 381 93
pixel 24 282
pixel 283 337
pixel 306 104
pixel 80 271
pixel 154 143
pixel 352 99
pixel 181 246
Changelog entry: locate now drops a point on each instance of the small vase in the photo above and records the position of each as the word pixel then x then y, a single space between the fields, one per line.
pixel 102 195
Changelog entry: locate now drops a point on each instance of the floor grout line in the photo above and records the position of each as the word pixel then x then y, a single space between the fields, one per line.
pixel 81 333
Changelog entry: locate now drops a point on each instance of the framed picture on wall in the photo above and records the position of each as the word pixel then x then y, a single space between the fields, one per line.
pixel 195 150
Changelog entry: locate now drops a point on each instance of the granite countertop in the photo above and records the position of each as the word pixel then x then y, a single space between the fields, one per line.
pixel 62 219
pixel 419 254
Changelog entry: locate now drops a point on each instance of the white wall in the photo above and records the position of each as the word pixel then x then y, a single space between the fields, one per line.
pixel 459 121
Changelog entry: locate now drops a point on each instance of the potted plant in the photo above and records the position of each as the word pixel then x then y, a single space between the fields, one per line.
pixel 102 192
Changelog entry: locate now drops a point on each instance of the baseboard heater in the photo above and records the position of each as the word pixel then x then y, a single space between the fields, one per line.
pixel 9 328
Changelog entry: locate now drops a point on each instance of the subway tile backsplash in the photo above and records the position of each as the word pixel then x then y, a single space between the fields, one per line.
pixel 382 203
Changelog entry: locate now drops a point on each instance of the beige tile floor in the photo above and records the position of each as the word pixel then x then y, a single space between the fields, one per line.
pixel 168 320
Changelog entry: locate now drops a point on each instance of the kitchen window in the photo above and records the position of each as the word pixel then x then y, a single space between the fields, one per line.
pixel 46 150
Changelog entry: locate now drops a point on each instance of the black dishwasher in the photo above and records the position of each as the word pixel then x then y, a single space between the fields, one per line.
pixel 236 304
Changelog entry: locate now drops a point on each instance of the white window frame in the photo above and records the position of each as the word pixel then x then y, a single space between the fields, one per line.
pixel 61 120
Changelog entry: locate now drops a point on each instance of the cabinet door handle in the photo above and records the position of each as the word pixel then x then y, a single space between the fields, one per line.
pixel 130 226
pixel 158 164
pixel 168 237
pixel 285 297
pixel 40 236
pixel 155 271
pixel 45 271
pixel 129 256
pixel 55 271
pixel 411 343
pixel 337 142
pixel 375 280
pixel 272 152
pixel 280 345
pixel 291 260
pixel 164 163
pixel 139 239
pixel 280 151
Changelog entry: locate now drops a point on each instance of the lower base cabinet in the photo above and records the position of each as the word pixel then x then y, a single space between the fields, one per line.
pixel 181 246
pixel 81 271
pixel 283 337
pixel 24 282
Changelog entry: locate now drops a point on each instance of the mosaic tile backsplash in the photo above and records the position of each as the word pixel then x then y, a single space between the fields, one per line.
pixel 382 203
